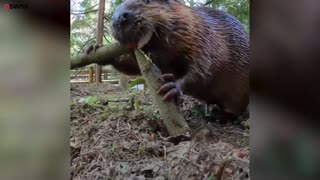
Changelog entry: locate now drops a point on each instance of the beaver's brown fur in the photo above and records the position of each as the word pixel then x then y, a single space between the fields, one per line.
pixel 207 50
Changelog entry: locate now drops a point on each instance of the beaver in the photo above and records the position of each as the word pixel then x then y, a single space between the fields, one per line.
pixel 201 51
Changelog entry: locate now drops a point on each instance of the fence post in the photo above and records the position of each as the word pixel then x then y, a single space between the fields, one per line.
pixel 91 74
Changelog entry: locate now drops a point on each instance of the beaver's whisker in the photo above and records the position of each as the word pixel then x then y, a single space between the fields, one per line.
pixel 163 26
pixel 141 35
pixel 137 20
pixel 153 29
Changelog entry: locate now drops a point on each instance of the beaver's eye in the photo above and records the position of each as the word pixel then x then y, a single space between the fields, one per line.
pixel 147 1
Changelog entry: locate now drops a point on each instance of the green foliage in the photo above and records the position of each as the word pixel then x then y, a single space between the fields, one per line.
pixel 141 149
pixel 89 100
pixel 136 82
pixel 83 24
pixel 84 17
pixel 156 116
pixel 113 5
pixel 238 8
pixel 212 177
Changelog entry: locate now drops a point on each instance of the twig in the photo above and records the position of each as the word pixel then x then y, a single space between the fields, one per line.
pixel 118 125
pixel 164 152
pixel 84 12
pixel 236 132
pixel 219 174
pixel 87 8
pixel 194 151
pixel 189 161
pixel 129 125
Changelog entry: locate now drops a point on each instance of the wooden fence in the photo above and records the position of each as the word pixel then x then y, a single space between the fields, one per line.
pixel 87 77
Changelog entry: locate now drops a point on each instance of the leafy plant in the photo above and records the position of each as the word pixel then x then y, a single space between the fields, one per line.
pixel 89 100
pixel 136 82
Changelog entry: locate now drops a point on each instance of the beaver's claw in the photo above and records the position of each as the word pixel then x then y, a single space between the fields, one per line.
pixel 170 90
pixel 92 48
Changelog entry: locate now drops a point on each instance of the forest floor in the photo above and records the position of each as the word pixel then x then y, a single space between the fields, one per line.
pixel 119 135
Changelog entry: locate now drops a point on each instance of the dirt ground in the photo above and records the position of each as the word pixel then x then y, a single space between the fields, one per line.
pixel 120 136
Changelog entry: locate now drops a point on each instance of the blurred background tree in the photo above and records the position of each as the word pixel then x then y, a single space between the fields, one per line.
pixel 238 8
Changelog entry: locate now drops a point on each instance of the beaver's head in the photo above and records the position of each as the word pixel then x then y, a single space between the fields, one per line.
pixel 136 21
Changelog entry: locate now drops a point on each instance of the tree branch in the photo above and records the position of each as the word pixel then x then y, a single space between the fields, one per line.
pixel 103 55
pixel 89 8
pixel 173 120
pixel 84 12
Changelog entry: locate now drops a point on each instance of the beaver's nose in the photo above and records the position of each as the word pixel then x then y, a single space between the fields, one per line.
pixel 120 19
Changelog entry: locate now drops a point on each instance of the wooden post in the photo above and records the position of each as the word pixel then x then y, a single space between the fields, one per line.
pixel 91 74
pixel 105 75
pixel 100 37
pixel 124 82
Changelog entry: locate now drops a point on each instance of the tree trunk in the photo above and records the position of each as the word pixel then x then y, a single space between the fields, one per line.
pixel 100 37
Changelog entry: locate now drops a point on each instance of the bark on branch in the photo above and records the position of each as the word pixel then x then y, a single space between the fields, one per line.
pixel 103 55
pixel 173 120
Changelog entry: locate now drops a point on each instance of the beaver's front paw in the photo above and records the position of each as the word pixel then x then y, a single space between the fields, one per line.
pixel 170 90
pixel 92 48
